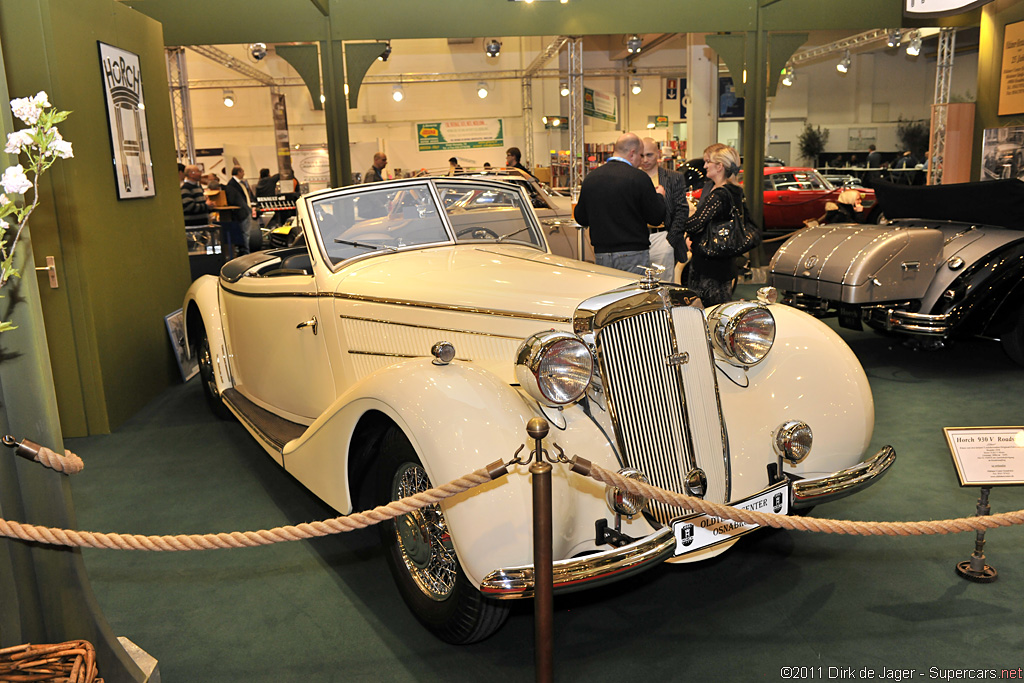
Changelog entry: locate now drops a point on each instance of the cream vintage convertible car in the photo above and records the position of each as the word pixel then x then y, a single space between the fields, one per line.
pixel 424 322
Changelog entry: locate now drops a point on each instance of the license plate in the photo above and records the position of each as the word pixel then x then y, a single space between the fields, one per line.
pixel 699 531
pixel 849 317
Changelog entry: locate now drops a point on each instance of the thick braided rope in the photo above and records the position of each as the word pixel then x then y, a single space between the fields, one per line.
pixel 243 539
pixel 828 526
pixel 69 463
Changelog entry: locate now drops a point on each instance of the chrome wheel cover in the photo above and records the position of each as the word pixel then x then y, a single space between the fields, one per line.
pixel 422 536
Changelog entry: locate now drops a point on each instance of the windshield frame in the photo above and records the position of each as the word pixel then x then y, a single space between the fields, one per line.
pixel 434 186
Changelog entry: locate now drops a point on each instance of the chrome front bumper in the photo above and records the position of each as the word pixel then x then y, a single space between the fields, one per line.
pixel 584 572
pixel 592 570
pixel 897 320
pixel 809 492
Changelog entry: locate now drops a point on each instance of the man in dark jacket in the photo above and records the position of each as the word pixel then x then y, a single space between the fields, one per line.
pixel 676 208
pixel 617 202
pixel 241 216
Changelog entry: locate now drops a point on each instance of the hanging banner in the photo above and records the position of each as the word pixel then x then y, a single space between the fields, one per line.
pixel 464 134
pixel 126 114
pixel 599 105
pixel 281 140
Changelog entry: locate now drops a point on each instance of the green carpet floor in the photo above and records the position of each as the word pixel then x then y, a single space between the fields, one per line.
pixel 326 610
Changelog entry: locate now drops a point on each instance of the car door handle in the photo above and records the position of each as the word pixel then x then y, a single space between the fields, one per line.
pixel 309 323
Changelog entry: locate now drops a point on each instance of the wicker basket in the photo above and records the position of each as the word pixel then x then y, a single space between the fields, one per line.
pixel 70 662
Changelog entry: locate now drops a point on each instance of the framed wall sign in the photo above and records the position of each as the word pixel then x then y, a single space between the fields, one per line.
pixel 126 114
pixel 987 456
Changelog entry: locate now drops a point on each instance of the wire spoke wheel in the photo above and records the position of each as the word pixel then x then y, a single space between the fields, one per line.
pixel 419 551
pixel 423 537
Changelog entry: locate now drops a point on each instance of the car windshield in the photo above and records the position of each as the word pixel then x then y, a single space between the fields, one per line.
pixel 482 213
pixel 391 217
pixel 382 219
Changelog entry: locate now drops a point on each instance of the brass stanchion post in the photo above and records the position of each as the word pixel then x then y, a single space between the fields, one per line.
pixel 975 568
pixel 543 580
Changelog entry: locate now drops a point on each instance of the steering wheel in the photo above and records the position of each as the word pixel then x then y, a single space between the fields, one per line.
pixel 479 232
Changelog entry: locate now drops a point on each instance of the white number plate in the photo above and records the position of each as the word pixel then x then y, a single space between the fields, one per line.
pixel 698 531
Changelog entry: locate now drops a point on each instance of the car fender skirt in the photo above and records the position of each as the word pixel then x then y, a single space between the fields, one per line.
pixel 810 492
pixel 586 571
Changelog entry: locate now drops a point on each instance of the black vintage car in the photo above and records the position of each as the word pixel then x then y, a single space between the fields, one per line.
pixel 949 263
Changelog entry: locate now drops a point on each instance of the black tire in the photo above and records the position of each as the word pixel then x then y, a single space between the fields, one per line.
pixel 1013 341
pixel 206 376
pixel 421 557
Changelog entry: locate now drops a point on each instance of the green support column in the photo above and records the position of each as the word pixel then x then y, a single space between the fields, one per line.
pixel 336 112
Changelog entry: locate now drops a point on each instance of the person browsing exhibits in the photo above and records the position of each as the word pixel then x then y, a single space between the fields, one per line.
pixel 194 203
pixel 676 208
pixel 617 202
pixel 711 278
pixel 374 174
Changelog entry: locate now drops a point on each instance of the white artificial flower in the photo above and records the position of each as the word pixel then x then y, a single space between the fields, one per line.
pixel 4 200
pixel 18 141
pixel 14 180
pixel 41 100
pixel 60 149
pixel 25 109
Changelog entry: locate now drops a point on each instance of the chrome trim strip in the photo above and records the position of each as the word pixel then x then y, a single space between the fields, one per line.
pixel 453 308
pixel 426 327
pixel 810 492
pixel 584 572
pixel 550 318
pixel 398 355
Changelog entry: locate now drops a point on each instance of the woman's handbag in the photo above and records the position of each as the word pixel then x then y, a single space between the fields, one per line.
pixel 732 237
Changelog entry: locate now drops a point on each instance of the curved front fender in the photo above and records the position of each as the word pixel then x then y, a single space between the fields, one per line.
pixel 459 418
pixel 810 375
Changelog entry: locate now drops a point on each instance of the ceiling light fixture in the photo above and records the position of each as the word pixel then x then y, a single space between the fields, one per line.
pixel 844 64
pixel 493 48
pixel 257 51
pixel 636 87
pixel 229 98
pixel 893 39
pixel 914 46
pixel 386 53
pixel 397 94
pixel 481 90
pixel 634 44
pixel 563 89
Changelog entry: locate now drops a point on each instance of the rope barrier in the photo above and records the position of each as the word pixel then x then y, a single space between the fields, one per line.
pixel 361 520
pixel 69 463
pixel 243 539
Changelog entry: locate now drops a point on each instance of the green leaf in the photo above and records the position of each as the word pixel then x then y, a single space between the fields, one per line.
pixel 4 327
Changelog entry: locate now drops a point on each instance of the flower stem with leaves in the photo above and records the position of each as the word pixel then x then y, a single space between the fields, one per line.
pixel 41 145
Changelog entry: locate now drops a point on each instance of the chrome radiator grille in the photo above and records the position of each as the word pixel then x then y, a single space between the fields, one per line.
pixel 665 413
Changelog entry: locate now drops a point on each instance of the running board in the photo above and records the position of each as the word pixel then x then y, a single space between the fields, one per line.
pixel 273 429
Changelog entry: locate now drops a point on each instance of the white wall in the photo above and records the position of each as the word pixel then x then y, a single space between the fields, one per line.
pixel 881 87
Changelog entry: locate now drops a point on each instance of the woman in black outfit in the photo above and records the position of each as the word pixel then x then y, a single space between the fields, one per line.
pixel 711 278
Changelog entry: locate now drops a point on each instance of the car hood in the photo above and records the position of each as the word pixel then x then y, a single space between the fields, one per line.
pixel 505 279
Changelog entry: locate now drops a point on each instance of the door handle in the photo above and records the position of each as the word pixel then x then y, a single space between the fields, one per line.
pixel 309 323
pixel 51 269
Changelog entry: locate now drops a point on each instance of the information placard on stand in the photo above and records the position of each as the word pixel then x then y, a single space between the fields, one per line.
pixel 987 456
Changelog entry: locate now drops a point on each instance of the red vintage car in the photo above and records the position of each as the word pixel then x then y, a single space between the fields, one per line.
pixel 793 195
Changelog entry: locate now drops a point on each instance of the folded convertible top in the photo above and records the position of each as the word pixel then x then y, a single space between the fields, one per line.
pixel 993 202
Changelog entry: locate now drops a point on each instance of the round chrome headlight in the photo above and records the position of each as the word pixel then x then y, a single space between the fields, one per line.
pixel 623 502
pixel 793 440
pixel 554 367
pixel 742 331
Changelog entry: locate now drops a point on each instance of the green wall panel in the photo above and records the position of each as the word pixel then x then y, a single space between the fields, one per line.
pixel 122 265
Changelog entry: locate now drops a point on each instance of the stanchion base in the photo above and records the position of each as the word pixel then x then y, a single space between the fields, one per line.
pixel 986 575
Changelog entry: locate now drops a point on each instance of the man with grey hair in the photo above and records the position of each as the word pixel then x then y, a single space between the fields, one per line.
pixel 194 203
pixel 676 208
pixel 617 202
